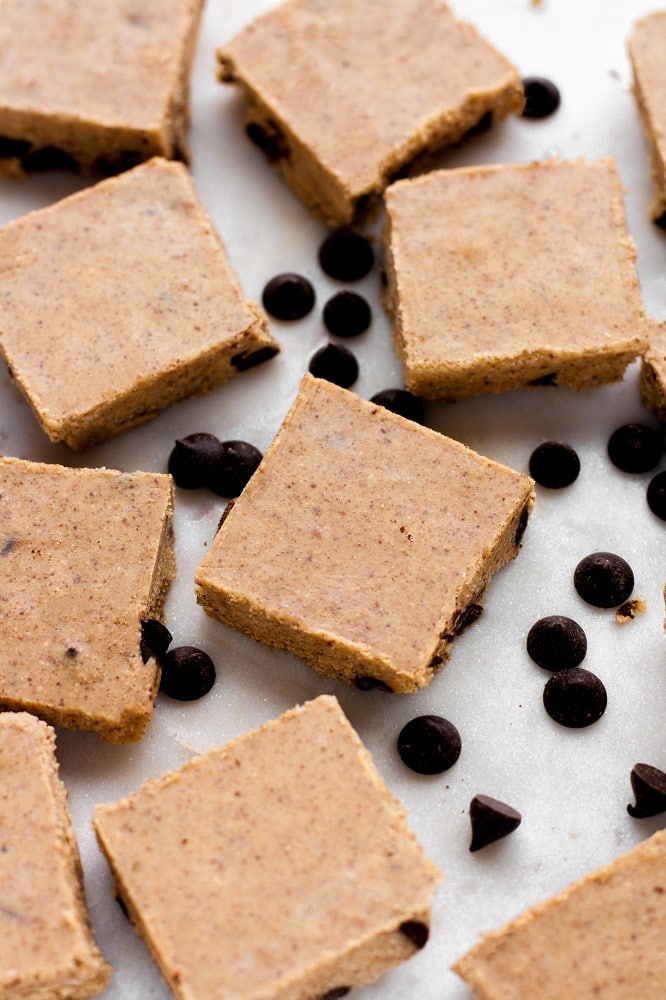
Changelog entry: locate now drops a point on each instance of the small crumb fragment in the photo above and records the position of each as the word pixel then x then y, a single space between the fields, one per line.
pixel 628 611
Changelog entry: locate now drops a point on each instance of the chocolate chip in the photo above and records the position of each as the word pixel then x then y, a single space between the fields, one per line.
pixel 10 148
pixel 542 97
pixel 491 820
pixel 48 158
pixel 429 744
pixel 557 642
pixel 401 401
pixel 187 673
pixel 635 448
pixel 656 495
pixel 471 614
pixel 270 139
pixel 346 255
pixel 367 683
pixel 155 639
pixel 347 314
pixel 72 652
pixel 417 932
pixel 243 361
pixel 604 579
pixel 336 364
pixel 575 697
pixel 236 463
pixel 649 785
pixel 288 296
pixel 192 460
pixel 522 524
pixel 554 464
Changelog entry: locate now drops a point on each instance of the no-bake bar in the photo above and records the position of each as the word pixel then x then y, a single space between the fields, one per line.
pixel 653 371
pixel 292 872
pixel 119 300
pixel 500 277
pixel 646 49
pixel 352 508
pixel 343 96
pixel 47 949
pixel 85 556
pixel 94 86
pixel 601 937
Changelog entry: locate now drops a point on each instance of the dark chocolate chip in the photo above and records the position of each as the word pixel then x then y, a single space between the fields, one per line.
pixel 288 296
pixel 335 363
pixel 347 314
pixel 187 673
pixel 270 139
pixel 237 461
pixel 575 698
pixel 192 460
pixel 465 618
pixel 367 683
pixel 542 97
pixel 656 495
pixel 242 362
pixel 556 643
pixel 72 652
pixel 522 524
pixel 554 464
pixel 401 401
pixel 491 820
pixel 13 147
pixel 649 785
pixel 48 158
pixel 635 448
pixel 549 379
pixel 417 932
pixel 336 993
pixel 429 744
pixel 604 579
pixel 346 255
pixel 155 639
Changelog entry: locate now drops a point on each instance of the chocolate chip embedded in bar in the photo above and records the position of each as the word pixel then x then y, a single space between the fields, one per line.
pixel 46 944
pixel 94 85
pixel 601 937
pixel 119 300
pixel 336 118
pixel 86 557
pixel 352 508
pixel 309 881
pixel 557 300
pixel 646 47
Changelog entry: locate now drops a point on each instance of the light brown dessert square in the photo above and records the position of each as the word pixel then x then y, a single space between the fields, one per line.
pixel 94 85
pixel 500 277
pixel 47 949
pixel 86 555
pixel 353 508
pixel 601 937
pixel 342 95
pixel 646 45
pixel 292 872
pixel 652 383
pixel 119 300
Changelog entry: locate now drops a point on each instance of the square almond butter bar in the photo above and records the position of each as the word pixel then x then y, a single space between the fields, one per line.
pixel 120 300
pixel 500 277
pixel 601 937
pixel 353 508
pixel 653 371
pixel 344 95
pixel 94 85
pixel 86 555
pixel 47 950
pixel 646 49
pixel 292 872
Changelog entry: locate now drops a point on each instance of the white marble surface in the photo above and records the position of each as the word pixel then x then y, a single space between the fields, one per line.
pixel 572 787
